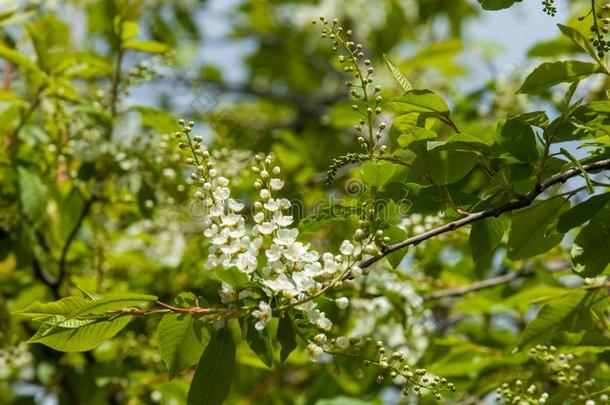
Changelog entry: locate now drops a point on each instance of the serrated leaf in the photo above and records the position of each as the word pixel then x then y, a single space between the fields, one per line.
pixel 377 174
pixel 182 338
pixel 579 39
pixel 33 194
pixel 563 314
pixel 64 306
pixel 286 335
pixel 486 235
pixel 590 250
pixel 527 236
pixel 581 213
pixel 112 302
pixel 398 75
pixel 326 215
pixel 79 338
pixel 551 73
pixel 211 382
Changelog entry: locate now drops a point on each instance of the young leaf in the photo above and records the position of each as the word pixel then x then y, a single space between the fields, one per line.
pixel 398 75
pixel 486 235
pixel 182 338
pixel 552 73
pixel 527 236
pixel 212 380
pixel 64 306
pixel 286 335
pixel 232 276
pixel 581 213
pixel 377 174
pixel 590 250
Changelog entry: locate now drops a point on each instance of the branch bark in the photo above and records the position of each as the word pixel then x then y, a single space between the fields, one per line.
pixel 491 212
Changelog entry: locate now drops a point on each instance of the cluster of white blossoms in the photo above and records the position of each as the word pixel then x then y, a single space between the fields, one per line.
pixel 266 248
pixel 16 361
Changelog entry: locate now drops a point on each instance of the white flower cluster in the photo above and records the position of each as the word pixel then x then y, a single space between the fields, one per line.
pixel 16 361
pixel 416 224
pixel 268 251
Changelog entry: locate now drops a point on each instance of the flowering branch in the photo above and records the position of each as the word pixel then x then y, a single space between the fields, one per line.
pixel 523 202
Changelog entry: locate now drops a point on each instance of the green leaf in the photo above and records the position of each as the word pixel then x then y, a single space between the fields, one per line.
pixel 417 134
pixel 232 276
pixel 212 380
pixel 561 314
pixel 377 174
pixel 552 73
pixel 146 46
pixel 527 236
pixel 32 193
pixel 64 306
pixel 343 400
pixel 536 118
pixel 449 164
pixel 78 337
pixel 259 341
pixel 182 338
pixel 518 138
pixel 396 235
pixel 579 39
pixel 590 250
pixel 583 172
pixel 422 101
pixel 398 75
pixel 286 335
pixel 486 235
pixel 18 59
pixel 497 4
pixel 111 302
pixel 581 213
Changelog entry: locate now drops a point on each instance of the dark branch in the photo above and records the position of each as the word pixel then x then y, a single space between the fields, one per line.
pixel 492 212
pixel 479 285
pixel 64 252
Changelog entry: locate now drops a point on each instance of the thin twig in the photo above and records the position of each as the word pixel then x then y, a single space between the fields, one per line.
pixel 479 285
pixel 492 212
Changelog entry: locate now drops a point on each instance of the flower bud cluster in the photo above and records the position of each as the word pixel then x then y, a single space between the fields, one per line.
pixel 16 361
pixel 393 366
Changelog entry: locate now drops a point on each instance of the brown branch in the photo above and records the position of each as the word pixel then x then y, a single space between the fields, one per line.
pixel 478 285
pixel 491 212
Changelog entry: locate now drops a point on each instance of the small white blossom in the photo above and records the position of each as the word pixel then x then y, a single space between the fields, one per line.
pixel 342 302
pixel 263 314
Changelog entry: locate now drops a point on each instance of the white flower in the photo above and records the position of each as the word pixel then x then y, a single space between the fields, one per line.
pixel 222 193
pixel 259 217
pixel 265 194
pixel 276 184
pixel 263 314
pixel 346 248
pixel 222 181
pixel 227 294
pixel 235 206
pixel 274 253
pixel 286 236
pixel 282 220
pixel 272 205
pixel 342 342
pixel 342 302
pixel 266 228
pixel 314 352
pixel 295 251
